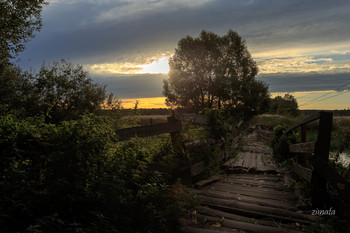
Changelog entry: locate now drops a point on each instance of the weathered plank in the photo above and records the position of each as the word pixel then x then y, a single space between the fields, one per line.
pixel 242 206
pixel 204 210
pixel 306 147
pixel 244 198
pixel 192 117
pixel 259 193
pixel 210 180
pixel 245 226
pixel 149 130
pixel 304 172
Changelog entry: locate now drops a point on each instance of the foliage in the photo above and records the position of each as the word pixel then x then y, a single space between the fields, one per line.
pixel 19 21
pixel 73 177
pixel 62 91
pixel 341 135
pixel 14 89
pixel 281 142
pixel 286 105
pixel 214 72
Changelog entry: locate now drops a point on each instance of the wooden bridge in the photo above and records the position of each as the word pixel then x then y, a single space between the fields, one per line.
pixel 255 195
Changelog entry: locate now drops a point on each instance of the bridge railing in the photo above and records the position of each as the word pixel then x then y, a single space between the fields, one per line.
pixel 321 171
pixel 174 126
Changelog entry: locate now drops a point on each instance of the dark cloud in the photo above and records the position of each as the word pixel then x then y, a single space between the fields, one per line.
pixel 306 82
pixel 71 30
pixel 134 86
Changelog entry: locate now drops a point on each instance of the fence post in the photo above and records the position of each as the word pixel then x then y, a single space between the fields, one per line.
pixel 318 183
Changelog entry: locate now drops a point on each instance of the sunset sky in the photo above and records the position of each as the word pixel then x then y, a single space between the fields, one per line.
pixel 302 47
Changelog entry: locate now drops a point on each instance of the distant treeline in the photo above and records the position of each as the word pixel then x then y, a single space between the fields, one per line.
pixel 344 112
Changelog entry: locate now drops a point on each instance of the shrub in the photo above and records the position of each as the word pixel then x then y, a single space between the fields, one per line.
pixel 74 177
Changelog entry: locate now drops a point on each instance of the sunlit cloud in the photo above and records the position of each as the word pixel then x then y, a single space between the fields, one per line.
pixel 302 65
pixel 280 49
pixel 160 66
pixel 152 66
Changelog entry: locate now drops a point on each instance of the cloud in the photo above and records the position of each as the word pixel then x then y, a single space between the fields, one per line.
pixel 133 86
pixel 303 65
pixel 132 9
pixel 304 82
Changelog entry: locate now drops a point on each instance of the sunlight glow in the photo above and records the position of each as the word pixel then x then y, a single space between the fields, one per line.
pixel 160 66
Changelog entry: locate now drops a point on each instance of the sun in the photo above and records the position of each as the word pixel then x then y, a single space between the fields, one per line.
pixel 160 66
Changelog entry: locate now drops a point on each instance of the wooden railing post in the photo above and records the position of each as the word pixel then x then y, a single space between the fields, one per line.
pixel 318 182
pixel 174 135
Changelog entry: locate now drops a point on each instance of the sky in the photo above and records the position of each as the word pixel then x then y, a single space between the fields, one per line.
pixel 302 47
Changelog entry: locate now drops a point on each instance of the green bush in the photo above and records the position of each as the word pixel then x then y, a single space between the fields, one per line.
pixel 281 142
pixel 74 177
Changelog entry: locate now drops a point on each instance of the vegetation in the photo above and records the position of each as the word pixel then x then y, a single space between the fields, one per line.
pixel 73 177
pixel 60 92
pixel 216 73
pixel 19 21
pixel 286 105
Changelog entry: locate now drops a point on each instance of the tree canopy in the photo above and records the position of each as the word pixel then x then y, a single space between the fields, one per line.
pixel 286 105
pixel 64 91
pixel 60 91
pixel 19 20
pixel 213 71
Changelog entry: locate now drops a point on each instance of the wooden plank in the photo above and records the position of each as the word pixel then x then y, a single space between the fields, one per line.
pixel 259 193
pixel 304 121
pixel 247 187
pixel 218 213
pixel 200 142
pixel 242 206
pixel 246 199
pixel 210 180
pixel 245 226
pixel 192 117
pixel 189 229
pixel 306 147
pixel 149 130
pixel 304 172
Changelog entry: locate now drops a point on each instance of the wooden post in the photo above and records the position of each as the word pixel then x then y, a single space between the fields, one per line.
pixel 319 185
pixel 302 157
pixel 303 133
pixel 175 135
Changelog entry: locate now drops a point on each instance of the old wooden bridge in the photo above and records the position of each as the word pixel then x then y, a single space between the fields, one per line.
pixel 255 195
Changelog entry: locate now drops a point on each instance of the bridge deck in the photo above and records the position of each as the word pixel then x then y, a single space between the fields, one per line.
pixel 252 198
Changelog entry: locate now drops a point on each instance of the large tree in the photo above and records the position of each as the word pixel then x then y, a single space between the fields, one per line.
pixel 213 71
pixel 19 20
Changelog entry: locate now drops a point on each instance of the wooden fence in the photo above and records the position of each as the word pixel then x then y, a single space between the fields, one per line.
pixel 322 171
pixel 174 126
